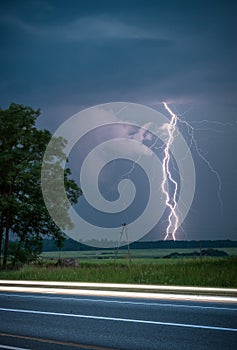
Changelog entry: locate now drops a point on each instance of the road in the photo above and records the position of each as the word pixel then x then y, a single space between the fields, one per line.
pixel 55 321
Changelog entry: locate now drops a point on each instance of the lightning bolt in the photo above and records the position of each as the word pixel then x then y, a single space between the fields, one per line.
pixel 193 142
pixel 168 167
pixel 213 171
pixel 171 202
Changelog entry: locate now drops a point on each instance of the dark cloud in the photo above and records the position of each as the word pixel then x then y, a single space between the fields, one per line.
pixel 65 56
pixel 180 50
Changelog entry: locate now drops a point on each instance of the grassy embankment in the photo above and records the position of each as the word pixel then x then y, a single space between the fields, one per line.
pixel 145 268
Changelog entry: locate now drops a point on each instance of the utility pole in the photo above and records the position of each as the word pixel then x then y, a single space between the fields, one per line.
pixel 123 232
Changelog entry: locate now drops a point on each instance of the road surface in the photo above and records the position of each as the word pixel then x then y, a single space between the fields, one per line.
pixel 54 321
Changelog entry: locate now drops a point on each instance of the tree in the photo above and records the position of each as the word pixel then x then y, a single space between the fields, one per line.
pixel 22 208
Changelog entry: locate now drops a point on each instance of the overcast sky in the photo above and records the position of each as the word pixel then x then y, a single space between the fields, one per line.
pixel 64 56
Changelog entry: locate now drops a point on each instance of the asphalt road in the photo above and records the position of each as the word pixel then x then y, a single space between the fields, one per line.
pixel 50 321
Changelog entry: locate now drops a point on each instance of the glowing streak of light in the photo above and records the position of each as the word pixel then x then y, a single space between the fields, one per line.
pixel 193 142
pixel 167 164
pixel 171 202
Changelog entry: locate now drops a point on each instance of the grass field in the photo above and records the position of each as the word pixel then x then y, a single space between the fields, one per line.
pixel 144 255
pixel 210 272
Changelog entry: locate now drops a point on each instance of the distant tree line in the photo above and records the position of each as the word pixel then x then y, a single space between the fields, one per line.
pixel 184 244
pixel 22 208
pixel 71 245
pixel 204 252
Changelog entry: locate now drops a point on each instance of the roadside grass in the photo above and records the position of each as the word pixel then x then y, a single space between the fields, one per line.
pixel 205 272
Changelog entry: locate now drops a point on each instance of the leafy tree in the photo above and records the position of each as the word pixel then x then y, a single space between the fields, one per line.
pixel 26 253
pixel 22 208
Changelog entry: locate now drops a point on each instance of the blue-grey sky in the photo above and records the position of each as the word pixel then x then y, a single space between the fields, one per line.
pixel 64 56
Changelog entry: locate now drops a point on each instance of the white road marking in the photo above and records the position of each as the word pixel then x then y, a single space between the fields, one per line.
pixel 120 319
pixel 117 301
pixel 108 293
pixel 11 347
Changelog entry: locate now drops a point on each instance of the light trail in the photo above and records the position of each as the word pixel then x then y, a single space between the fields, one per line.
pixel 119 286
pixel 119 294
